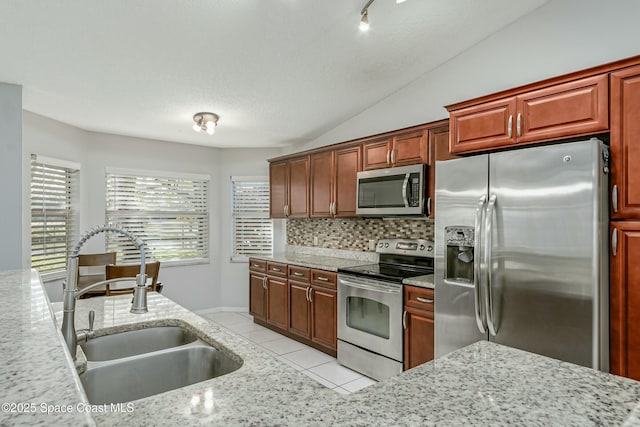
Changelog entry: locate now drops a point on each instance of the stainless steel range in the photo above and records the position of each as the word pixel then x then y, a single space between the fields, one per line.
pixel 370 305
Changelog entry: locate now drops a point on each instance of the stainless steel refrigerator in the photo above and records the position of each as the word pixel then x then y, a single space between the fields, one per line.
pixel 521 251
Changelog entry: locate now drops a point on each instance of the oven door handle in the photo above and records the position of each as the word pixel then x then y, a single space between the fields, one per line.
pixel 372 287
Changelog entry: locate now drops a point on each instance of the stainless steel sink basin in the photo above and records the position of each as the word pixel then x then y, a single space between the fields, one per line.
pixel 144 375
pixel 131 343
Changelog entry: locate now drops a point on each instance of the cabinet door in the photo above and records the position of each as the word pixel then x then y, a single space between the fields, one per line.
pixel 257 300
pixel 570 109
pixel 299 188
pixel 438 150
pixel 625 142
pixel 277 302
pixel 324 313
pixel 482 127
pixel 277 189
pixel 299 309
pixel 624 301
pixel 347 164
pixel 321 184
pixel 409 149
pixel 418 337
pixel 376 154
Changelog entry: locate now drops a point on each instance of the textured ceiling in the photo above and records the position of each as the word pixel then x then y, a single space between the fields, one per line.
pixel 276 71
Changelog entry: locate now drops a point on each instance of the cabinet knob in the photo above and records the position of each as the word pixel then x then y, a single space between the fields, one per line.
pixel 510 126
pixel 518 125
pixel 614 198
pixel 614 242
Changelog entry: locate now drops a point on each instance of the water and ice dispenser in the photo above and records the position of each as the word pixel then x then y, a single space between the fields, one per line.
pixel 460 252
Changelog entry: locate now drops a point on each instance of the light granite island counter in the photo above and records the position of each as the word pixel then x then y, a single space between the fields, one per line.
pixel 482 384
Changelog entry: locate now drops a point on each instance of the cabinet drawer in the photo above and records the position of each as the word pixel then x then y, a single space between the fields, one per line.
pixel 324 278
pixel 276 269
pixel 417 297
pixel 257 265
pixel 300 274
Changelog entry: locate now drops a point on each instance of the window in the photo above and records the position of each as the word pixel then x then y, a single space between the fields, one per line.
pixel 54 214
pixel 169 212
pixel 252 228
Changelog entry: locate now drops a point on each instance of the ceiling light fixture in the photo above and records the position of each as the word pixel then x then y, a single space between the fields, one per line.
pixel 205 122
pixel 364 20
pixel 400 1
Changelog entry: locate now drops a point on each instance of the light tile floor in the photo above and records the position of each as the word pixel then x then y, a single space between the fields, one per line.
pixel 311 362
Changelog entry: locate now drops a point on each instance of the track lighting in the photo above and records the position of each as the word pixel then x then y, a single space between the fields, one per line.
pixel 205 122
pixel 364 20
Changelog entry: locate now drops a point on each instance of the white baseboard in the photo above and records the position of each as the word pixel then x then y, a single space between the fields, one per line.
pixel 220 309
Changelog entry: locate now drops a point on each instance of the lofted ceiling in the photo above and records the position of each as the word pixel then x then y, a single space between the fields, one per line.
pixel 276 71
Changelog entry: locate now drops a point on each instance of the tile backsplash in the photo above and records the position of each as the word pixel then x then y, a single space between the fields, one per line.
pixel 354 234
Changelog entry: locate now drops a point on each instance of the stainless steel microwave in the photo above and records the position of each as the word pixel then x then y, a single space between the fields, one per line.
pixel 392 191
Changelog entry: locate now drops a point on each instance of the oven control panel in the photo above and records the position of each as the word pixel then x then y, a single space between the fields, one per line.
pixel 416 247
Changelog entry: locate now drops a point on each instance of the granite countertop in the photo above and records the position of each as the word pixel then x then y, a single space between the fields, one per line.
pixel 482 384
pixel 320 262
pixel 425 281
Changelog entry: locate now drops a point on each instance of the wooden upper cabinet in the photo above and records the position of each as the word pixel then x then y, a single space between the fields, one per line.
pixel 570 109
pixel 347 164
pixel 321 184
pixel 333 181
pixel 299 188
pixel 289 188
pixel 574 108
pixel 624 300
pixel 484 126
pixel 438 150
pixel 376 154
pixel 625 143
pixel 278 189
pixel 400 150
pixel 409 149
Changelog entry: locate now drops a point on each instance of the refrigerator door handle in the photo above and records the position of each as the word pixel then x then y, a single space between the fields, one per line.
pixel 405 186
pixel 491 323
pixel 477 269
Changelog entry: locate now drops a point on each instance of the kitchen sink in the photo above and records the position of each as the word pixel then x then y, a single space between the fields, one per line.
pixel 131 343
pixel 131 365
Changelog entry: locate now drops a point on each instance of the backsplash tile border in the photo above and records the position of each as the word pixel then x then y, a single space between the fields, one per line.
pixel 353 234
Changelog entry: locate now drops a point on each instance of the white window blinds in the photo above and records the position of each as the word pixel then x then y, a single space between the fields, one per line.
pixel 54 214
pixel 252 228
pixel 170 214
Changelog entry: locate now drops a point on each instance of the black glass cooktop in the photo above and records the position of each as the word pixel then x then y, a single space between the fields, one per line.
pixel 391 272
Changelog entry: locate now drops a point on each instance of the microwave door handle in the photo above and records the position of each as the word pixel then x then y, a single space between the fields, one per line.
pixel 405 187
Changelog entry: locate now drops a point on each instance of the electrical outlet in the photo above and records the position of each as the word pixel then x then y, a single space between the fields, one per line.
pixel 372 245
pixel 315 241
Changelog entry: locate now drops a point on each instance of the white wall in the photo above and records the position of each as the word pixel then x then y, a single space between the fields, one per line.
pixel 10 176
pixel 219 284
pixel 560 37
pixel 234 276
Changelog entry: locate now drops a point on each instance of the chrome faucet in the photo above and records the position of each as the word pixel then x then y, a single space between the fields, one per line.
pixel 71 291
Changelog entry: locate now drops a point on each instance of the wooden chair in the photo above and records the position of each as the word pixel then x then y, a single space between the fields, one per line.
pixel 152 269
pixel 91 269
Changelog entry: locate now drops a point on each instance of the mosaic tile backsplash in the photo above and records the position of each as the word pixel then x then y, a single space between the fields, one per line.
pixel 354 234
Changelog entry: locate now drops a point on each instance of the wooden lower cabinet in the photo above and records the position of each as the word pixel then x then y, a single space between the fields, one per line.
pixel 277 302
pixel 299 309
pixel 418 337
pixel 624 300
pixel 418 320
pixel 298 302
pixel 257 296
pixel 324 312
